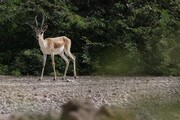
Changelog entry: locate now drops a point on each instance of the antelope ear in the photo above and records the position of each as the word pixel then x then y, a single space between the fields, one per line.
pixel 34 28
pixel 45 28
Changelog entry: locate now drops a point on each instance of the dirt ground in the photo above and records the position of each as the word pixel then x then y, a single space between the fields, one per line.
pixel 27 94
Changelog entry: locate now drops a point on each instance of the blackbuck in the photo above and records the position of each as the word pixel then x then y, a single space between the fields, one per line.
pixel 54 46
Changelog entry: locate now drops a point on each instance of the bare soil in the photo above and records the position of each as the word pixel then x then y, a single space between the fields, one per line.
pixel 27 94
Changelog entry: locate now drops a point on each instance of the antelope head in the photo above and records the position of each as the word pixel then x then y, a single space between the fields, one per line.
pixel 39 30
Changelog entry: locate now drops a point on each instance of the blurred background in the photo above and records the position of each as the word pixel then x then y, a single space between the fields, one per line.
pixel 112 37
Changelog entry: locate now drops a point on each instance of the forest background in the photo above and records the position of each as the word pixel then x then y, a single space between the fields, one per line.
pixel 109 37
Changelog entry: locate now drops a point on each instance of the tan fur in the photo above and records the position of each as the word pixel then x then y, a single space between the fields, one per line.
pixel 58 44
pixel 54 44
pixel 62 41
pixel 67 42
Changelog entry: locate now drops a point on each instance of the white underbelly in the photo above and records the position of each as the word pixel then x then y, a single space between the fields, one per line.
pixel 56 51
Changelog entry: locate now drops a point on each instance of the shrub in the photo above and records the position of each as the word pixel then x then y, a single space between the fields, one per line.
pixel 27 62
pixel 3 69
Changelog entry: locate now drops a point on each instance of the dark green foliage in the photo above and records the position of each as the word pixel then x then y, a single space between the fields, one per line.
pixel 28 62
pixel 108 37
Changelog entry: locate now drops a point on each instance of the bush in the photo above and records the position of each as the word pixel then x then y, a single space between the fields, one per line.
pixel 27 62
pixel 16 72
pixel 3 69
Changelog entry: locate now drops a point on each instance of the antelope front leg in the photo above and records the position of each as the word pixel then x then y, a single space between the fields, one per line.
pixel 44 63
pixel 53 64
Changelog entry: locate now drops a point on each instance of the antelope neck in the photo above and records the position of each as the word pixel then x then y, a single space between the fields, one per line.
pixel 42 42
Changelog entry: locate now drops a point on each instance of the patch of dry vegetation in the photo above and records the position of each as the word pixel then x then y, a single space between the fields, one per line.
pixel 85 110
pixel 80 110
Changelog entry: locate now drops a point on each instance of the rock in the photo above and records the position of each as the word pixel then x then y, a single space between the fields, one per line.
pixel 45 96
pixel 2 112
pixel 34 88
pixel 89 90
pixel 78 110
pixel 114 93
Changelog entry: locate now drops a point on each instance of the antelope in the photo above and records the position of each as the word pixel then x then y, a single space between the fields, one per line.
pixel 54 46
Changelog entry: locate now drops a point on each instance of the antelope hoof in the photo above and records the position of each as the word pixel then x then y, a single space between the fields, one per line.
pixel 75 77
pixel 64 78
pixel 40 79
pixel 67 80
pixel 54 78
